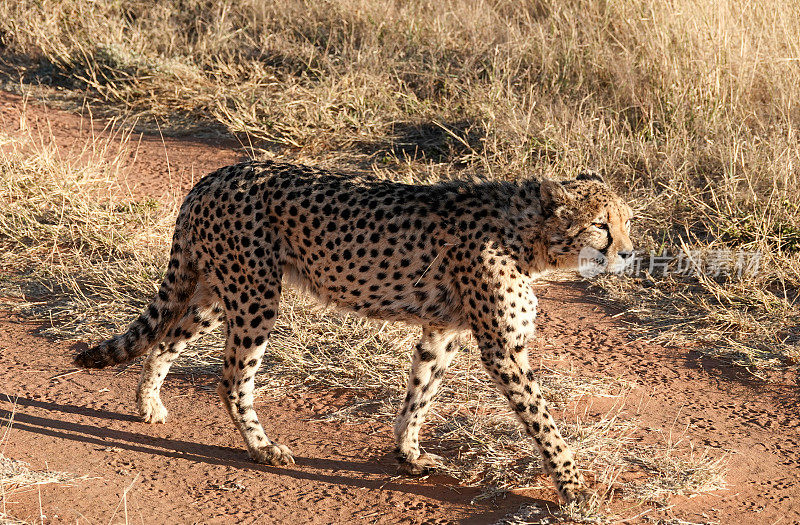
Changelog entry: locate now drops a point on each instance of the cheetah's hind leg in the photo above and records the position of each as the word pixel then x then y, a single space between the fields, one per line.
pixel 249 326
pixel 202 315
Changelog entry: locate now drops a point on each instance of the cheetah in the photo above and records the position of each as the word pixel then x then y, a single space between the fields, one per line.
pixel 452 257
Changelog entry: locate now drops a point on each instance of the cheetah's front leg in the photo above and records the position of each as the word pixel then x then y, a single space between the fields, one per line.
pixel 432 356
pixel 510 370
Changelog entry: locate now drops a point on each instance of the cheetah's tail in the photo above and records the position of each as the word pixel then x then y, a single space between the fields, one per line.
pixel 158 318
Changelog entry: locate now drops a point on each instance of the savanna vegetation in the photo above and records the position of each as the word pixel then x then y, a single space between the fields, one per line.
pixel 688 107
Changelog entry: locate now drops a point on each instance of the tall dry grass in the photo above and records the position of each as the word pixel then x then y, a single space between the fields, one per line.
pixel 690 108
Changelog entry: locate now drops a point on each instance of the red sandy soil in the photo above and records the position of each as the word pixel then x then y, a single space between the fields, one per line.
pixel 194 468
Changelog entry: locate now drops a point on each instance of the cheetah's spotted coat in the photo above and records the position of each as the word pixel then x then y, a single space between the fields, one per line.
pixel 451 257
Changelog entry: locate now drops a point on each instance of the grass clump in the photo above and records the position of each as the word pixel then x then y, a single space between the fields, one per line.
pixel 17 476
pixel 69 247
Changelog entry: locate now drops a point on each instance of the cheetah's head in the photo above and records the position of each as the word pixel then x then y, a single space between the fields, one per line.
pixel 585 216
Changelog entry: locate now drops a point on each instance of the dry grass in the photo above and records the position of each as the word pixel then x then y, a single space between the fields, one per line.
pixel 79 253
pixel 66 238
pixel 17 476
pixel 688 107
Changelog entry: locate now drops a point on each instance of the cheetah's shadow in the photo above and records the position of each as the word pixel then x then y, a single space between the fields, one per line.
pixel 378 473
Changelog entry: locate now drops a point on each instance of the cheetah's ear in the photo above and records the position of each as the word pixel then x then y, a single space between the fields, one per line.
pixel 590 175
pixel 553 195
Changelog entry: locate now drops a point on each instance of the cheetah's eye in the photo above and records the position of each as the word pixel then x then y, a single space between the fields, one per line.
pixel 600 225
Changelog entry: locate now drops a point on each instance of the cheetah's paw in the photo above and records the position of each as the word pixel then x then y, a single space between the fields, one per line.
pixel 273 455
pixel 575 492
pixel 152 410
pixel 425 464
